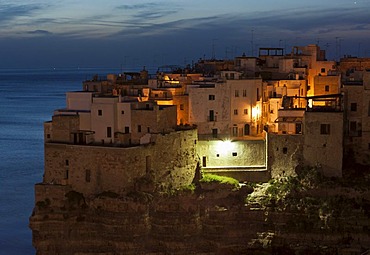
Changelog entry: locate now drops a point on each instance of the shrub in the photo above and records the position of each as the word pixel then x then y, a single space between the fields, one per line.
pixel 212 178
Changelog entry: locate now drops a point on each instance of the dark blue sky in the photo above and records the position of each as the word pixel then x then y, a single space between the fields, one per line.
pixel 110 33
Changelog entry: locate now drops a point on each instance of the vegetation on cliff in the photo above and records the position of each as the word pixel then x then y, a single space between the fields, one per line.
pixel 318 205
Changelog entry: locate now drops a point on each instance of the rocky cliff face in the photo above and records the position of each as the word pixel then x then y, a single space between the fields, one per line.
pixel 211 220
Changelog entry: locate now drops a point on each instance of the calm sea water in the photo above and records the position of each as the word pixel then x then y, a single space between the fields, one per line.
pixel 27 99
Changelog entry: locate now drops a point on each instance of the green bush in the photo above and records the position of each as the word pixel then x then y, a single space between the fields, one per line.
pixel 212 178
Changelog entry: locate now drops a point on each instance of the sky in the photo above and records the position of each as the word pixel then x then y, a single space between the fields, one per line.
pixel 131 34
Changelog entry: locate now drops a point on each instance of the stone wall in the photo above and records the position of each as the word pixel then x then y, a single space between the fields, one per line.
pixel 238 153
pixel 170 161
pixel 285 153
pixel 324 150
pixel 62 126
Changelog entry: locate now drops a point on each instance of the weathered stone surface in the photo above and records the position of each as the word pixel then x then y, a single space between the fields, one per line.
pixel 64 222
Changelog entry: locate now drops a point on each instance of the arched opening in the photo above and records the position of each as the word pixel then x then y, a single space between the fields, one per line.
pixel 246 129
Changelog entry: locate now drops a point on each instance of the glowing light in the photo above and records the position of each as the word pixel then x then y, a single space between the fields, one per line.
pixel 310 103
pixel 225 146
pixel 256 112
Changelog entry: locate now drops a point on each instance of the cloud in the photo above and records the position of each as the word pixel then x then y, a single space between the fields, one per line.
pixel 12 11
pixel 148 11
pixel 39 32
pixel 138 6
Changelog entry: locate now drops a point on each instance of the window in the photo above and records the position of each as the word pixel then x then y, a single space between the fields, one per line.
pixel 258 94
pixel 235 154
pixel 122 112
pixel 148 129
pixel 245 111
pixel 214 132
pixel 181 107
pixel 285 150
pixel 298 128
pixel 139 128
pixel 246 129
pixel 48 136
pixel 211 115
pixel 322 70
pixel 327 88
pixel 368 109
pixel 244 93
pixel 353 107
pixel 100 112
pixel 352 126
pixel 211 97
pixel 127 130
pixel 236 112
pixel 235 131
pixel 325 129
pixel 236 93
pixel 232 76
pixel 109 132
pixel 87 175
pixel 67 162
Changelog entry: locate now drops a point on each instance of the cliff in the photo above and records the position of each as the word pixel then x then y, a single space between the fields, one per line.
pixel 289 216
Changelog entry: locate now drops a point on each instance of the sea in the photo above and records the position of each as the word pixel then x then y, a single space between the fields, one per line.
pixel 28 98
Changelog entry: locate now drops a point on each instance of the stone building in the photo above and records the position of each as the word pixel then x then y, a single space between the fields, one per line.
pixel 229 107
pixel 93 169
pixel 249 127
pixel 357 117
pixel 107 143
